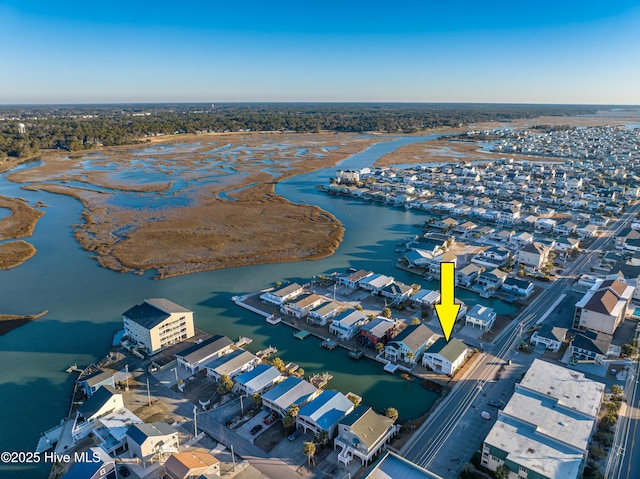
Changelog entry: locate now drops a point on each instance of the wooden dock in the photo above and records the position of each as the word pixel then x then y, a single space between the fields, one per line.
pixel 291 367
pixel 356 354
pixel 320 380
pixel 265 353
pixel 74 369
pixel 273 319
pixel 330 344
pixel 242 341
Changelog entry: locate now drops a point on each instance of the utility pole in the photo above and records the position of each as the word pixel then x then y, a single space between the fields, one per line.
pixel 148 392
pixel 126 376
pixel 233 458
pixel 195 424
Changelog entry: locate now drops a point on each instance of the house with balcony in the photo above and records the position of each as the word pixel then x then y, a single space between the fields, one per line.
pixel 231 364
pixel 302 305
pixel 492 279
pixel 363 433
pixel 534 255
pixel 409 345
pixel 375 282
pixel 282 294
pixel 195 357
pixel 324 312
pixel 468 275
pixel 445 357
pixel 481 316
pixel 378 330
pixel 353 279
pixel 152 442
pixel 593 346
pixel 603 307
pixel 290 391
pixel 258 380
pixel 425 298
pixel 92 378
pixel 521 288
pixel 324 412
pixel 551 336
pixel 347 324
pixel 192 463
pixel 397 292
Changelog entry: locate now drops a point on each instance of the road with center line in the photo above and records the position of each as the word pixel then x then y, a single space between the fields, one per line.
pixel 454 430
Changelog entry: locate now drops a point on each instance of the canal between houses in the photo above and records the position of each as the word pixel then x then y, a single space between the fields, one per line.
pixel 85 303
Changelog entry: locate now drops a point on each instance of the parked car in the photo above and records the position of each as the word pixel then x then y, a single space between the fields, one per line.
pixel 485 415
pixel 271 418
pixel 497 404
pixel 124 471
pixel 294 435
pixel 255 429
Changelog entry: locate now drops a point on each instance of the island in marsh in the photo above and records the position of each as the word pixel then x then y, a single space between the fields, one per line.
pixel 198 202
pixel 20 223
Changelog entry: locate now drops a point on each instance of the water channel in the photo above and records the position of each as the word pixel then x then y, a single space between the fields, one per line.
pixel 85 303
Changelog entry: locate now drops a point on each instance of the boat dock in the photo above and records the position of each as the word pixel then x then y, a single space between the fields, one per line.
pixel 390 368
pixel 273 319
pixel 74 369
pixel 291 367
pixel 301 334
pixel 330 344
pixel 242 341
pixel 265 353
pixel 320 380
pixel 356 354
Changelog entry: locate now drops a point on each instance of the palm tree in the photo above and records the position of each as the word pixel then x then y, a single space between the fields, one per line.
pixel 379 346
pixel 502 472
pixel 225 384
pixel 309 450
pixel 391 413
pixel 289 420
pixel 410 356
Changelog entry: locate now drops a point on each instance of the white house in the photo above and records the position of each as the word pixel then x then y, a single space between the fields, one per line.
pixel 260 378
pixel 481 316
pixel 347 324
pixel 195 357
pixel 281 295
pixel 445 358
pixel 551 336
pixel 324 412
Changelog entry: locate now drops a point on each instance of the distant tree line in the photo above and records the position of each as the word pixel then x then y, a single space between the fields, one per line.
pixel 80 127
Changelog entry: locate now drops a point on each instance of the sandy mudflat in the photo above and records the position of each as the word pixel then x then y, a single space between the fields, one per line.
pixel 9 322
pixel 19 224
pixel 211 201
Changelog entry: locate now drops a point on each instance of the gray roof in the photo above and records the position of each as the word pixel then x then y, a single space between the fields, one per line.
pixel 139 433
pixel 392 466
pixel 146 315
pixel 205 349
pixel 552 332
pixel 167 306
pixel 229 363
pixel 96 377
pixel 290 391
pixel 414 336
pixel 593 341
pixel 367 424
pixel 97 401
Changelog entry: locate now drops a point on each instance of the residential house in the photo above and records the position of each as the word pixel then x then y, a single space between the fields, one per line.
pixel 104 401
pixel 231 364
pixel 481 316
pixel 522 239
pixel 492 279
pixel 587 232
pixel 445 224
pixel 323 312
pixel 157 323
pixel 99 466
pixel 391 465
pixel 324 412
pixel 493 256
pixel 195 357
pixel 465 228
pixel 92 378
pixel 425 298
pixel 592 346
pixel 375 282
pixel 546 224
pixel 565 244
pixel 347 324
pixel 290 391
pixel 445 357
pixel 397 292
pixel 545 429
pixel 363 433
pixel 378 330
pixel 551 336
pixel 259 379
pixel 409 345
pixel 302 305
pixel 566 228
pixel 193 463
pixel 110 432
pixel 603 307
pixel 534 255
pixel 353 280
pixel 468 275
pixel 282 294
pixel 151 442
pixel 518 287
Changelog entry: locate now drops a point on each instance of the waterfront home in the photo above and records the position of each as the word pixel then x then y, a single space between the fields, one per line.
pixel 481 316
pixel 375 282
pixel 260 378
pixel 157 323
pixel 301 305
pixel 492 279
pixel 353 279
pixel 324 412
pixel 101 466
pixel 152 442
pixel 468 275
pixel 281 295
pixel 92 378
pixel 377 330
pixel 545 429
pixel 551 336
pixel 346 325
pixel 534 255
pixel 104 401
pixel 518 287
pixel 592 346
pixel 397 292
pixel 231 364
pixel 111 430
pixel 603 307
pixel 363 433
pixel 323 312
pixel 494 255
pixel 193 463
pixel 290 391
pixel 418 257
pixel 409 344
pixel 445 357
pixel 433 266
pixel 425 298
pixel 195 357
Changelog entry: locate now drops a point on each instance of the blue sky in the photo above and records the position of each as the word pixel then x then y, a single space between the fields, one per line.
pixel 501 51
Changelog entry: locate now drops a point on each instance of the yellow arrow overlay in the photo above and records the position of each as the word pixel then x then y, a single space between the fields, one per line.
pixel 447 309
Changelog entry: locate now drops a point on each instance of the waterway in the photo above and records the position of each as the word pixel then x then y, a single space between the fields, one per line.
pixel 85 303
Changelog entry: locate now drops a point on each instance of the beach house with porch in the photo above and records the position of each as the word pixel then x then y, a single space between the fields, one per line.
pixel 409 345
pixel 324 412
pixel 290 391
pixel 195 357
pixel 346 325
pixel 151 442
pixel 445 358
pixel 282 294
pixel 481 316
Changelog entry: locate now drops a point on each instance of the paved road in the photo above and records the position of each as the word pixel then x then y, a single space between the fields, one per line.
pixel 451 435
